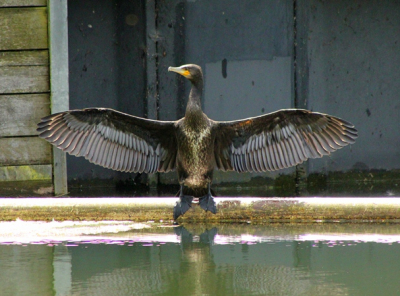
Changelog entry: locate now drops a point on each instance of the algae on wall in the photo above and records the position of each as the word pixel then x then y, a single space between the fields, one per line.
pixel 25 160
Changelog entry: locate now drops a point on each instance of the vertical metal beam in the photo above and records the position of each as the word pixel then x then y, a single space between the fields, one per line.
pixel 59 84
pixel 300 72
pixel 151 68
pixel 151 62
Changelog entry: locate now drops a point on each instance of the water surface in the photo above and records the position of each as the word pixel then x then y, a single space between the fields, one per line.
pixel 274 259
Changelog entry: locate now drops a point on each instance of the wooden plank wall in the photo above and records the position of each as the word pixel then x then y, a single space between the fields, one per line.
pixel 24 97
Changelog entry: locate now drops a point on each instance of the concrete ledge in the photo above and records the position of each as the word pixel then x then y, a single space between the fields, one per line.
pixel 254 210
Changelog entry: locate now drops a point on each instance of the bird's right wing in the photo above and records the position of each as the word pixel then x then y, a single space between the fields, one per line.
pixel 113 139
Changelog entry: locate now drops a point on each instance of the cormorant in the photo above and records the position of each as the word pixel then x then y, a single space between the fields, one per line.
pixel 195 145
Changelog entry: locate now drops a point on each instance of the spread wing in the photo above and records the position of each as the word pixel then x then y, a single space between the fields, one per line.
pixel 279 140
pixel 113 139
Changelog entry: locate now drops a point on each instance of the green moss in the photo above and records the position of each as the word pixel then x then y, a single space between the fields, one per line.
pixel 25 172
pixel 258 212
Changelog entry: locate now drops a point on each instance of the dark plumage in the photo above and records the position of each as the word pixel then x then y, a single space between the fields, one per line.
pixel 195 145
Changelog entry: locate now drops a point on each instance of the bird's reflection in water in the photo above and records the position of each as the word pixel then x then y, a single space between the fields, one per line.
pixel 197 263
pixel 206 237
pixel 206 268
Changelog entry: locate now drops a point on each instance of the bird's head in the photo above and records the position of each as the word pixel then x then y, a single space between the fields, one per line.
pixel 190 71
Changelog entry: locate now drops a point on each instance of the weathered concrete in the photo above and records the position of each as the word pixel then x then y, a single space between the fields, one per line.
pixel 349 53
pixel 107 63
pixel 249 210
pixel 59 81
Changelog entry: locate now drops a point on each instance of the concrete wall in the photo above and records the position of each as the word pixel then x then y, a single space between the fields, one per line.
pixel 352 50
pixel 336 57
pixel 107 52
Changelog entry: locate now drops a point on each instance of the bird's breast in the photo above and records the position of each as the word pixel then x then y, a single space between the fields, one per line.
pixel 195 151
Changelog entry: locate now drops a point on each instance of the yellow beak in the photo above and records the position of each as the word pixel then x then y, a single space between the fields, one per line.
pixel 180 70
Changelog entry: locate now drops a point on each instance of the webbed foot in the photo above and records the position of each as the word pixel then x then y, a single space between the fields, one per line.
pixel 182 206
pixel 207 203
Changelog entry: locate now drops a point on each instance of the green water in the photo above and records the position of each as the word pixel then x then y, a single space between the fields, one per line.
pixel 215 260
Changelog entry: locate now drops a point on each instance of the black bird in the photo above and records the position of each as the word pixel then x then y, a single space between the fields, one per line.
pixel 195 145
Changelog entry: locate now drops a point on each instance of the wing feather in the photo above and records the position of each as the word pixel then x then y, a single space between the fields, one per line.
pixel 112 139
pixel 279 140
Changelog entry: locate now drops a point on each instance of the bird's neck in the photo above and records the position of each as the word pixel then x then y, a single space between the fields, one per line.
pixel 193 108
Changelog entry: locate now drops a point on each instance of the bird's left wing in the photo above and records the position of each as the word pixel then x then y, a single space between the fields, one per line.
pixel 113 139
pixel 279 140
